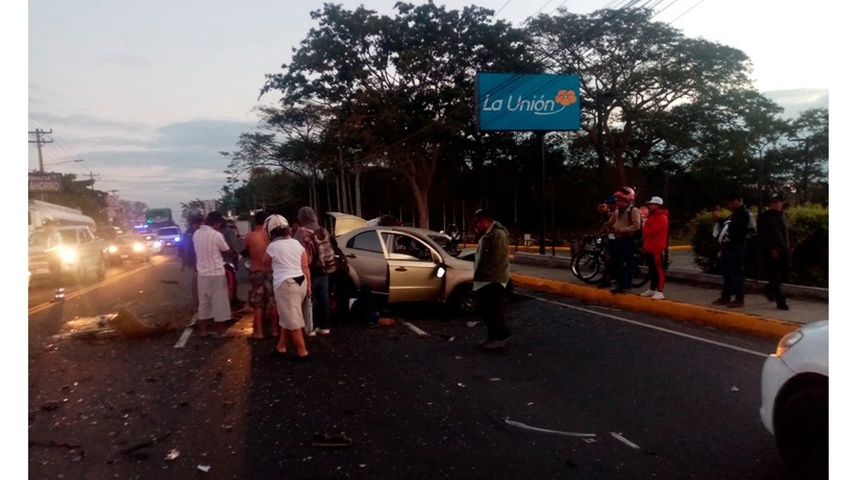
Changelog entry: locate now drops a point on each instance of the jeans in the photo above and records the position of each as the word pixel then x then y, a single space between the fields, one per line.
pixel 490 307
pixel 626 261
pixel 322 305
pixel 733 271
pixel 777 269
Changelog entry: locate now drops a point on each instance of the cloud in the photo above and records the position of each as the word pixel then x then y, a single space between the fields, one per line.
pixel 797 100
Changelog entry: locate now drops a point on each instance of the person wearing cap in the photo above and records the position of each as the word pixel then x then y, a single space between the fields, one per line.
pixel 655 240
pixel 627 224
pixel 775 248
pixel 213 294
pixel 291 280
pixel 491 277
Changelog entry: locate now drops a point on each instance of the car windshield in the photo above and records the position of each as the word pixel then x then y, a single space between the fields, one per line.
pixel 168 231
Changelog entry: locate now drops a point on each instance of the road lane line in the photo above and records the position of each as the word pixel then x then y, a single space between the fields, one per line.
pixel 184 337
pixel 652 327
pixel 625 441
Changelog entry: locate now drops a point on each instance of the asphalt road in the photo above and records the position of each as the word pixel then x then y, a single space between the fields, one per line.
pixel 582 393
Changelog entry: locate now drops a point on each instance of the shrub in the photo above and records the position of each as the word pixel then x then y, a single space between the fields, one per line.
pixel 808 234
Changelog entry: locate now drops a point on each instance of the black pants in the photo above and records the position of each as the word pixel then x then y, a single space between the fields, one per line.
pixel 777 269
pixel 491 300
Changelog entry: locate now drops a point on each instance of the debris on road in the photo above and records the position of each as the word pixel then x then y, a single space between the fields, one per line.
pixel 544 430
pixel 325 440
pixel 173 454
pixel 203 468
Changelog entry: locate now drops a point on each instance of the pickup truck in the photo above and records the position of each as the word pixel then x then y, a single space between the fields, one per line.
pixel 82 255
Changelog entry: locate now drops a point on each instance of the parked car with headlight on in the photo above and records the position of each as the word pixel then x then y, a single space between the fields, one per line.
pixel 795 394
pixel 128 247
pixel 404 264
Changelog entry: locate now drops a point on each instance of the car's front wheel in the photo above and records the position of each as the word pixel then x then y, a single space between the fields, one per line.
pixel 801 431
pixel 465 300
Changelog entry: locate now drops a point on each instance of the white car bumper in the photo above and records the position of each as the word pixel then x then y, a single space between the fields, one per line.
pixel 773 376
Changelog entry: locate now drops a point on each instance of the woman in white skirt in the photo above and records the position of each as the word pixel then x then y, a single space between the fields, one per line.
pixel 291 279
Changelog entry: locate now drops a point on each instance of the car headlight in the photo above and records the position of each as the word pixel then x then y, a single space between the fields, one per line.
pixel 112 249
pixel 788 341
pixel 68 255
pixel 138 247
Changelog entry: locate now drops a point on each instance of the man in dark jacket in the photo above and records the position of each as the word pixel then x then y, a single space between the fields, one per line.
pixel 773 238
pixel 733 241
pixel 492 274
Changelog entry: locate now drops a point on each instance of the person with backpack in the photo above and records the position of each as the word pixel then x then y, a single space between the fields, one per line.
pixel 627 224
pixel 322 261
pixel 733 236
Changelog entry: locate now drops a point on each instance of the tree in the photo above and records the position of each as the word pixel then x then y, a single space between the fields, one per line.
pixel 406 82
pixel 811 132
pixel 633 73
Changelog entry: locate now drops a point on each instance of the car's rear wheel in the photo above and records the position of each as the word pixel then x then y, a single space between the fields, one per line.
pixel 801 431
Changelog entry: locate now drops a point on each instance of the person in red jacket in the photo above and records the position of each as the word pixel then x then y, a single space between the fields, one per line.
pixel 655 240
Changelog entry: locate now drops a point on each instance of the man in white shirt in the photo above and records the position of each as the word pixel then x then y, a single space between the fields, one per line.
pixel 213 296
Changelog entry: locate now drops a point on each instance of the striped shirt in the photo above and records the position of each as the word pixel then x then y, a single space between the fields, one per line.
pixel 208 245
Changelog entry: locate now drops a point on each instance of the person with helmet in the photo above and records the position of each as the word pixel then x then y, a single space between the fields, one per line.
pixel 213 294
pixel 628 221
pixel 291 280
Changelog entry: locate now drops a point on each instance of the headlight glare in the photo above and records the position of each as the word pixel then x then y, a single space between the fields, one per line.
pixel 788 341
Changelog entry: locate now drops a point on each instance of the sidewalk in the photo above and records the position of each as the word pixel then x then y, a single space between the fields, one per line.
pixel 689 294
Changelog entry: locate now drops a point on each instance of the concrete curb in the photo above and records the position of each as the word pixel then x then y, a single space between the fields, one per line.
pixel 737 321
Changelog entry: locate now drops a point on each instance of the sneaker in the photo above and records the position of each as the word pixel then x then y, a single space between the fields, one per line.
pixel 323 331
pixel 782 306
pixel 721 301
pixel 736 304
pixel 657 296
pixel 647 293
pixel 313 333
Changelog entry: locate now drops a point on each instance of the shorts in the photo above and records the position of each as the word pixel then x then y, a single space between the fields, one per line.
pixel 213 298
pixel 261 294
pixel 288 297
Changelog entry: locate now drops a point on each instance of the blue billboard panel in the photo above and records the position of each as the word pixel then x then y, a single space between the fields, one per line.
pixel 527 102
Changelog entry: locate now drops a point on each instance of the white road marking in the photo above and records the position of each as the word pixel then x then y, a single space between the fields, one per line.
pixel 184 337
pixel 544 430
pixel 624 440
pixel 652 327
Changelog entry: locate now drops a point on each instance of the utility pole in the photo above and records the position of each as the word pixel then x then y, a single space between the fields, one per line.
pixel 39 141
pixel 93 182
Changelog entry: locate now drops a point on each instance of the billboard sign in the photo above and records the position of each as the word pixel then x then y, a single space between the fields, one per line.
pixel 527 102
pixel 45 182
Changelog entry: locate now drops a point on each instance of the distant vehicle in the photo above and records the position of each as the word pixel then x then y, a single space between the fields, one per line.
pixel 159 217
pixel 81 254
pixel 795 397
pixel 40 212
pixel 152 242
pixel 169 236
pixel 128 247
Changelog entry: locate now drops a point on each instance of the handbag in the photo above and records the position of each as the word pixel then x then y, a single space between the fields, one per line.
pixel 308 313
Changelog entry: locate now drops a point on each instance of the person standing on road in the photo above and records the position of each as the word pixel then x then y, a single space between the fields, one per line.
pixel 291 280
pixel 261 295
pixel 492 273
pixel 307 229
pixel 213 295
pixel 186 253
pixel 627 224
pixel 773 237
pixel 733 240
pixel 655 240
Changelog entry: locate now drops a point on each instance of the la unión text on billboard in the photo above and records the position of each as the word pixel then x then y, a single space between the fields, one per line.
pixel 527 102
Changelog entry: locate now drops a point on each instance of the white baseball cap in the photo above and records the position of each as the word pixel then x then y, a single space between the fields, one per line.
pixel 656 201
pixel 273 222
